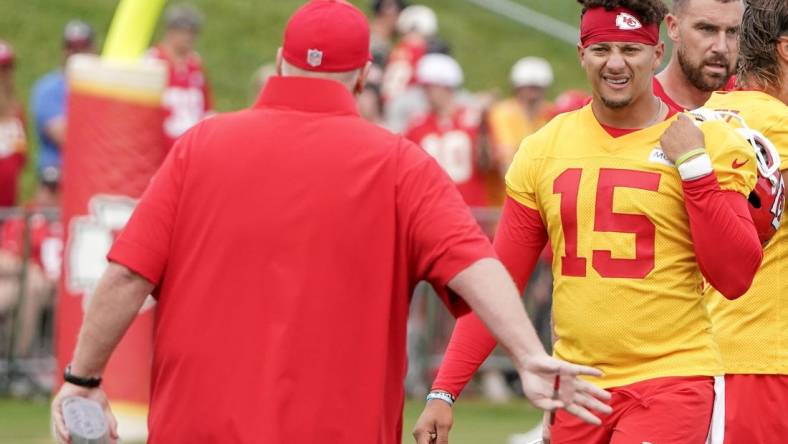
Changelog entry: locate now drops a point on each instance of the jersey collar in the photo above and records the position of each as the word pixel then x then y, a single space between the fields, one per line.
pixel 307 95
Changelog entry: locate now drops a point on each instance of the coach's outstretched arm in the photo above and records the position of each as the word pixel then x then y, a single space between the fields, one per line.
pixel 115 303
pixel 488 288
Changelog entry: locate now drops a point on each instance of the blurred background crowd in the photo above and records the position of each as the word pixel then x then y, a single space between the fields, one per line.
pixel 466 96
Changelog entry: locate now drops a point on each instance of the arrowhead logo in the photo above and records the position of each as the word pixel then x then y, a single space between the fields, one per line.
pixel 627 22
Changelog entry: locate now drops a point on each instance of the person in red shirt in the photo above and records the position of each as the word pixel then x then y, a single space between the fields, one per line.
pixel 282 243
pixel 187 99
pixel 449 131
pixel 13 141
pixel 45 238
pixel 705 49
pixel 417 25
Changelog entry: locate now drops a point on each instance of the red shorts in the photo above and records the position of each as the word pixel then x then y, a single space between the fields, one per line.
pixel 756 409
pixel 675 410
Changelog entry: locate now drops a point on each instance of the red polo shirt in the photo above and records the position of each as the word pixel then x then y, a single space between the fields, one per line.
pixel 285 241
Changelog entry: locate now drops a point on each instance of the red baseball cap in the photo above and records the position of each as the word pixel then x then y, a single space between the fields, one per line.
pixel 327 36
pixel 6 54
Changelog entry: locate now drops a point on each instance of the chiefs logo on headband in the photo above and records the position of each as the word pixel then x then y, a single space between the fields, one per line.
pixel 626 21
pixel 616 25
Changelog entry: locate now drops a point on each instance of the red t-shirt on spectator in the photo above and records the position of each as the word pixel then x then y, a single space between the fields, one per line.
pixel 452 141
pixel 400 70
pixel 46 242
pixel 187 98
pixel 285 241
pixel 13 148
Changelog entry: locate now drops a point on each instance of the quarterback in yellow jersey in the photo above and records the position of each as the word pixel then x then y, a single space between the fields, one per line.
pixel 634 199
pixel 752 331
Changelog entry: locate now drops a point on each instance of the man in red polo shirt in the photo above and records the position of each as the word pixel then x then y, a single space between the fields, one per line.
pixel 705 48
pixel 282 312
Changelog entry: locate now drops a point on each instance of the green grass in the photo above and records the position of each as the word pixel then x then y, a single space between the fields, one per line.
pixel 475 421
pixel 240 35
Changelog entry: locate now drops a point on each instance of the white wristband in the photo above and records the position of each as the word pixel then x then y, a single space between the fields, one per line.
pixel 443 396
pixel 696 167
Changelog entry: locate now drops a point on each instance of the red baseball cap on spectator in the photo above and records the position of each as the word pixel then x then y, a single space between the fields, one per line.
pixel 327 36
pixel 6 54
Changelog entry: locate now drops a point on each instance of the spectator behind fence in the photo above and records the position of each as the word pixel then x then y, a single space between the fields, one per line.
pixel 383 28
pixel 187 99
pixel 513 119
pixel 448 131
pixel 45 239
pixel 416 24
pixel 49 97
pixel 281 312
pixel 13 141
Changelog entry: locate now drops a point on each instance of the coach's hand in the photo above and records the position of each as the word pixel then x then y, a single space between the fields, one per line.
pixel 59 429
pixel 434 423
pixel 573 395
pixel 681 137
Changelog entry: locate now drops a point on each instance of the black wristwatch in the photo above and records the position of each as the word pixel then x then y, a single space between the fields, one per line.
pixel 80 381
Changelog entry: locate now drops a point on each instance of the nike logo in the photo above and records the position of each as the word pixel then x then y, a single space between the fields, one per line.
pixel 736 165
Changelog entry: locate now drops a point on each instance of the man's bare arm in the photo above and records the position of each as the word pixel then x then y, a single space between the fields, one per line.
pixel 491 293
pixel 116 302
pixel 56 130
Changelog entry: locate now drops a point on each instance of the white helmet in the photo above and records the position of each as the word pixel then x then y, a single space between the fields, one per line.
pixel 439 69
pixel 419 19
pixel 532 71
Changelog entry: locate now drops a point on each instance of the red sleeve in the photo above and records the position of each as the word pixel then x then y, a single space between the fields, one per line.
pixel 441 236
pixel 143 245
pixel 207 96
pixel 520 238
pixel 726 242
pixel 12 233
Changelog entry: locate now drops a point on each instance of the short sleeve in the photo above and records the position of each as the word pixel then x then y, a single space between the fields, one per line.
pixel 144 243
pixel 501 129
pixel 520 183
pixel 442 237
pixel 48 103
pixel 11 235
pixel 207 97
pixel 732 157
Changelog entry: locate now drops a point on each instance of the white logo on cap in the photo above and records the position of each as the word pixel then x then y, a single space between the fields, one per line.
pixel 627 22
pixel 314 57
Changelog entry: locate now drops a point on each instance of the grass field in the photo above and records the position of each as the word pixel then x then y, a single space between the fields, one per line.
pixel 475 421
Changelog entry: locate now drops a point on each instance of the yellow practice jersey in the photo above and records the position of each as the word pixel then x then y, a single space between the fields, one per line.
pixel 752 331
pixel 509 125
pixel 628 290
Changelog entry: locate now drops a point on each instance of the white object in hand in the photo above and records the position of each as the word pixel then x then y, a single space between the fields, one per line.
pixel 85 421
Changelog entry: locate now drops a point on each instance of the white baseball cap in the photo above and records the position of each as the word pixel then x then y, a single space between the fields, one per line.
pixel 532 71
pixel 439 69
pixel 417 18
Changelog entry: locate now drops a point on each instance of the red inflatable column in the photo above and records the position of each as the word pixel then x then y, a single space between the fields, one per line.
pixel 114 145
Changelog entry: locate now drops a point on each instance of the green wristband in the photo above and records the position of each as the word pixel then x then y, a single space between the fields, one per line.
pixel 689 154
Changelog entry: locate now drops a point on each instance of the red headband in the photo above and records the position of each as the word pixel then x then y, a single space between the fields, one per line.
pixel 616 25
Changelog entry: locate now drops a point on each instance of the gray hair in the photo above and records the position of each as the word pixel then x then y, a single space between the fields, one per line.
pixel 183 16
